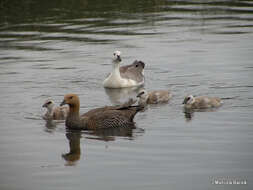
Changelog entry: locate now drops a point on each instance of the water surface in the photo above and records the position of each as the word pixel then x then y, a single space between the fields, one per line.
pixel 50 48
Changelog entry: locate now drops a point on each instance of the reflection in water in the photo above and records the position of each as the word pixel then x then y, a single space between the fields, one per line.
pixel 74 148
pixel 118 96
pixel 74 136
pixel 188 113
pixel 50 126
pixel 111 134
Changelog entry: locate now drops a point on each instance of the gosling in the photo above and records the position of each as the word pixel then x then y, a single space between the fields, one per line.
pixel 55 112
pixel 153 97
pixel 201 102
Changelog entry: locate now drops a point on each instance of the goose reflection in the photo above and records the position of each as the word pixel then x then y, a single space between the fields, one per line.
pixel 111 134
pixel 117 96
pixel 74 136
pixel 74 148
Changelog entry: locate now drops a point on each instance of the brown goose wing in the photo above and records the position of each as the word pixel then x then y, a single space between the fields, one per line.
pixel 109 119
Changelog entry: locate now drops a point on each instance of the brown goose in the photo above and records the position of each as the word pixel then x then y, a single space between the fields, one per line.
pixel 125 76
pixel 153 97
pixel 201 102
pixel 55 112
pixel 99 118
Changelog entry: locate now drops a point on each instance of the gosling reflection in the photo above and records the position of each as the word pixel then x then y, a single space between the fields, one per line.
pixel 50 126
pixel 117 96
pixel 74 148
pixel 188 113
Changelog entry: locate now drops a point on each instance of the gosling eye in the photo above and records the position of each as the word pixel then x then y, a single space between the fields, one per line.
pixel 136 65
pixel 188 98
pixel 114 54
pixel 70 97
pixel 49 102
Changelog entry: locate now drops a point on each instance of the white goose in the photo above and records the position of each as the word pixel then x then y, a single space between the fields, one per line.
pixel 125 76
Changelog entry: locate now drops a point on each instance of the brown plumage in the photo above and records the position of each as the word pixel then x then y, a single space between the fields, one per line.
pixel 55 112
pixel 154 97
pixel 99 118
pixel 201 102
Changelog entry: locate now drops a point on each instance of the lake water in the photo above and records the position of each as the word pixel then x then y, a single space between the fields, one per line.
pixel 50 48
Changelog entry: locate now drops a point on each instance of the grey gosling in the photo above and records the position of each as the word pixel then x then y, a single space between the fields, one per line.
pixel 55 112
pixel 153 97
pixel 201 102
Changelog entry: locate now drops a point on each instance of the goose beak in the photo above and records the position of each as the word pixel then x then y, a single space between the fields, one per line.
pixel 118 58
pixel 63 103
pixel 184 102
pixel 44 105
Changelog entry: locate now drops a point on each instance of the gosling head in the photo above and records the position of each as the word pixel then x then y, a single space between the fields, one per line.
pixel 49 104
pixel 139 64
pixel 116 57
pixel 189 100
pixel 71 99
pixel 143 97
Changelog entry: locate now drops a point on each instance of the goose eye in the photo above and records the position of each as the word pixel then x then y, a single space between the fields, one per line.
pixel 70 97
pixel 49 103
pixel 136 65
pixel 188 98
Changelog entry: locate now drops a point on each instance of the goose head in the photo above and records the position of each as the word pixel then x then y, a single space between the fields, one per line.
pixel 139 64
pixel 116 57
pixel 71 99
pixel 49 104
pixel 143 97
pixel 189 100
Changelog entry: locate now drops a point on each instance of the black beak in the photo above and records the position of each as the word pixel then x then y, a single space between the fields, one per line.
pixel 118 58
pixel 184 102
pixel 63 103
pixel 44 105
pixel 142 64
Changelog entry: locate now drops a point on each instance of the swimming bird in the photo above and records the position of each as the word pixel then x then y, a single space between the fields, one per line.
pixel 99 118
pixel 154 97
pixel 201 102
pixel 55 112
pixel 125 76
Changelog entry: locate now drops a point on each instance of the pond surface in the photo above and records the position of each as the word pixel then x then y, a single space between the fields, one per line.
pixel 50 48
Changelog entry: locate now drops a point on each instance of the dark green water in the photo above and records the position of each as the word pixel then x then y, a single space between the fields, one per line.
pixel 50 48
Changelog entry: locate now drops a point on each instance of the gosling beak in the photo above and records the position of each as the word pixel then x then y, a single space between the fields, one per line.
pixel 118 58
pixel 63 103
pixel 139 95
pixel 44 105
